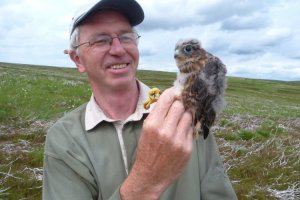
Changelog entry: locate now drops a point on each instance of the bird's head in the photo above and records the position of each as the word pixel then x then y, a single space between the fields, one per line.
pixel 189 55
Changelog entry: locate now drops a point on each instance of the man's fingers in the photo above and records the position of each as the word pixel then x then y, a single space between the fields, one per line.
pixel 174 115
pixel 185 125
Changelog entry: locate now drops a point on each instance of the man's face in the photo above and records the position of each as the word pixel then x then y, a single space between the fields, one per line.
pixel 111 69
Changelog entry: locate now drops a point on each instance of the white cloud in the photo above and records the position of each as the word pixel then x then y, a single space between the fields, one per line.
pixel 255 21
pixel 246 35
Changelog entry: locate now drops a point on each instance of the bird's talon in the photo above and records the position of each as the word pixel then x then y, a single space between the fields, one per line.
pixel 154 94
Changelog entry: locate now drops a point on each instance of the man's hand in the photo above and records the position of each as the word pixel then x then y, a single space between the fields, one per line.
pixel 163 151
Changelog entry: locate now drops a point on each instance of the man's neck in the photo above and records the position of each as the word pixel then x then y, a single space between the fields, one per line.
pixel 118 105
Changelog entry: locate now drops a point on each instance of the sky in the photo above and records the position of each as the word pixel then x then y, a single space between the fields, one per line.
pixel 254 38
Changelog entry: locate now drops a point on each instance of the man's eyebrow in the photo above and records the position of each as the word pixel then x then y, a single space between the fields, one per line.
pixel 95 35
pixel 100 33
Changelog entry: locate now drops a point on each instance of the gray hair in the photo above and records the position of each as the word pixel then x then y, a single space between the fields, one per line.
pixel 74 40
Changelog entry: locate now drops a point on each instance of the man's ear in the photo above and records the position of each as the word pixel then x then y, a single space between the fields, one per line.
pixel 75 58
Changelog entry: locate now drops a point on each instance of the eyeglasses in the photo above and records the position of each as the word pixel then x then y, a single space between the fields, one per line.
pixel 103 42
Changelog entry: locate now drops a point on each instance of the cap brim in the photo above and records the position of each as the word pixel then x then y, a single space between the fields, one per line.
pixel 129 8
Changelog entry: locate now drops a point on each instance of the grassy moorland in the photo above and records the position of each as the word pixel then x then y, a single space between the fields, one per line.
pixel 258 133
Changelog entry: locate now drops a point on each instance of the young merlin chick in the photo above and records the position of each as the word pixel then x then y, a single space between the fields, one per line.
pixel 201 83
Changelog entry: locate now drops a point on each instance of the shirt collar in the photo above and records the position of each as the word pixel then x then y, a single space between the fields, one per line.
pixel 94 114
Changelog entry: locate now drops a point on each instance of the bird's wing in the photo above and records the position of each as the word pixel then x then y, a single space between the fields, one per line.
pixel 209 87
pixel 214 74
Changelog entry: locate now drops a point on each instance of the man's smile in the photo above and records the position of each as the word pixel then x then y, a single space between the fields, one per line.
pixel 118 66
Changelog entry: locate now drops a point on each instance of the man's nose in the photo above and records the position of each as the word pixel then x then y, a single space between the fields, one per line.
pixel 116 47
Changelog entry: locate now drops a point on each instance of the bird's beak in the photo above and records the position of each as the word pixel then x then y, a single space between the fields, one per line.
pixel 176 53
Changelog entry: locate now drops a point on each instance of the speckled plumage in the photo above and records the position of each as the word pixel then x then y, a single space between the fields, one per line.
pixel 201 83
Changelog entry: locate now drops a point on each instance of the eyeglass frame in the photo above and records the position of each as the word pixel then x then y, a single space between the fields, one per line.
pixel 92 43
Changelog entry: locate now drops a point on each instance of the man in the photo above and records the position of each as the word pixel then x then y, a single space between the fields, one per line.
pixel 111 147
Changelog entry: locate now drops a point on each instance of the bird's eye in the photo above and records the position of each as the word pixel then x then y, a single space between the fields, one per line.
pixel 188 49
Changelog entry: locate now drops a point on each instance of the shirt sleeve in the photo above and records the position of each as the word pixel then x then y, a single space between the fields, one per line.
pixel 68 172
pixel 215 183
pixel 61 182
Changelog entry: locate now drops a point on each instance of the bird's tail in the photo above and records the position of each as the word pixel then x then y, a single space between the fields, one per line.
pixel 205 130
pixel 201 129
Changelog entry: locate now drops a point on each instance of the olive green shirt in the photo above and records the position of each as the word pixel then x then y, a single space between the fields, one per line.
pixel 88 163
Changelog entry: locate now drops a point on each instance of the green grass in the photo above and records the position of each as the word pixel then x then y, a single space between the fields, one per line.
pixel 39 94
pixel 258 132
pixel 263 98
pixel 266 130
